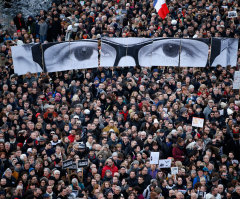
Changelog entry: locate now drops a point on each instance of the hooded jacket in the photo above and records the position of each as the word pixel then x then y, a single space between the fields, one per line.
pixel 113 169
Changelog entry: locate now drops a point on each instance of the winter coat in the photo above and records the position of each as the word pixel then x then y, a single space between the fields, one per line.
pixel 113 169
pixel 177 154
pixel 43 27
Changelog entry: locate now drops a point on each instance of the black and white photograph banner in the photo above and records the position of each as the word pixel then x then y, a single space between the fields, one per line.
pixel 194 52
pixel 123 52
pixel 165 52
pixel 70 55
pixel 224 52
pixel 84 54
pixel 27 58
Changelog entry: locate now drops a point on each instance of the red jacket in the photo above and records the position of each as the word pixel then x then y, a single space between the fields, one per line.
pixel 71 138
pixel 125 115
pixel 113 169
pixel 177 154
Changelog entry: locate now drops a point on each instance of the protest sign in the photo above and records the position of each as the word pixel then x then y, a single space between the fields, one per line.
pixel 82 163
pixel 197 122
pixel 236 80
pixel 67 164
pixel 174 170
pixel 232 14
pixel 154 158
pixel 165 163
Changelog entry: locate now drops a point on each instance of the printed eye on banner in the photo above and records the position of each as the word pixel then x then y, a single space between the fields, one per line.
pixel 71 55
pixel 165 52
pixel 144 52
pixel 26 60
pixel 194 52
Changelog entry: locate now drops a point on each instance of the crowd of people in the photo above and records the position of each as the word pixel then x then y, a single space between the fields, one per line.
pixel 115 117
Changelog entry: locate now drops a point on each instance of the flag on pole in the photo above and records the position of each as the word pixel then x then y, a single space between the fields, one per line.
pixel 161 7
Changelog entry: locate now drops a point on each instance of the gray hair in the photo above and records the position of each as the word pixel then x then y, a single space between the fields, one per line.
pixel 56 171
pixel 74 180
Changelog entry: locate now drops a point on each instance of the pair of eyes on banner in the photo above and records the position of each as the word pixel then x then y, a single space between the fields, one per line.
pixel 66 56
pixel 74 55
pixel 164 52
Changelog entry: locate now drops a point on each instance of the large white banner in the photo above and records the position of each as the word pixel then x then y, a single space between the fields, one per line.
pixel 125 52
pixel 194 52
pixel 70 55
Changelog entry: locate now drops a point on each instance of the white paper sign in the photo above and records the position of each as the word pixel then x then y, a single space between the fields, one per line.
pixel 236 81
pixel 154 158
pixel 221 111
pixel 232 14
pixel 166 163
pixel 197 122
pixel 174 170
pixel 165 110
pixel 237 102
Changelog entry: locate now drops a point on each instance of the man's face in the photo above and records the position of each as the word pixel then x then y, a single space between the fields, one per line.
pixel 111 123
pixel 238 189
pixel 180 195
pixel 132 175
pixel 78 110
pixel 215 191
pixel 64 192
pixel 144 171
pixel 3 181
pixel 37 193
pixel 220 188
pixel 140 180
pixel 110 162
pixel 179 181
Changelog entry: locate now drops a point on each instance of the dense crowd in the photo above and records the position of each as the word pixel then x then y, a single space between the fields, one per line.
pixel 115 117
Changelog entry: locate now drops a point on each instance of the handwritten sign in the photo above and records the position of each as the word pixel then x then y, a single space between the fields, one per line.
pixel 154 158
pixel 197 122
pixel 165 163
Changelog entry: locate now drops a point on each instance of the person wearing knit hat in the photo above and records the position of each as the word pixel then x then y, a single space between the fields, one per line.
pixel 31 171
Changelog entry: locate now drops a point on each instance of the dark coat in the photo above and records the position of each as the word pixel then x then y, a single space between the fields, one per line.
pixel 19 22
pixel 177 154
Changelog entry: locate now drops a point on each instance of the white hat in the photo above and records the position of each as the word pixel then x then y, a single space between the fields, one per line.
pixel 75 117
pixel 223 104
pixel 229 111
pixel 86 111
pixel 19 42
pixel 155 121
pixel 79 170
pixel 174 22
pixel 29 150
pixel 69 28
